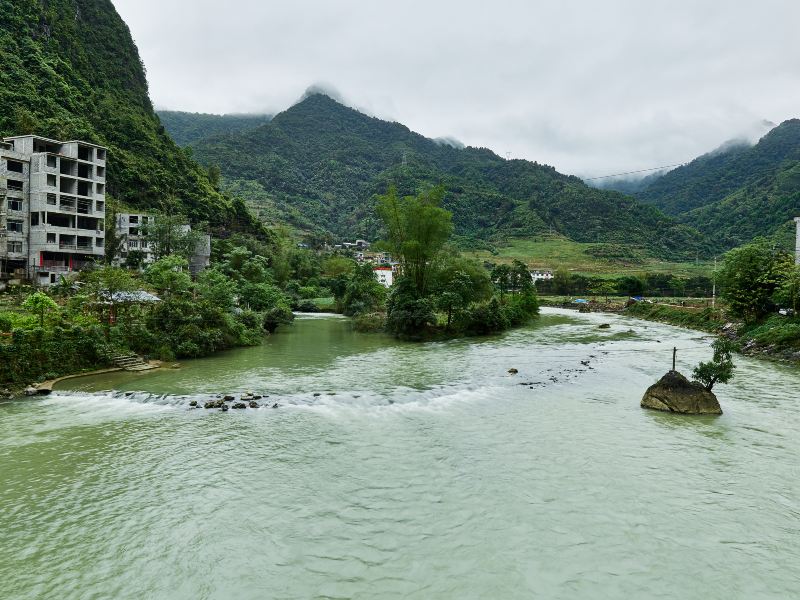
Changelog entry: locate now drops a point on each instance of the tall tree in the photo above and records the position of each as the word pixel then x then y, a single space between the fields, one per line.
pixel 417 229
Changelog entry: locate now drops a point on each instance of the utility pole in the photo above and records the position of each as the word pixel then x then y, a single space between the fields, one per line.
pixel 674 356
pixel 714 285
pixel 797 242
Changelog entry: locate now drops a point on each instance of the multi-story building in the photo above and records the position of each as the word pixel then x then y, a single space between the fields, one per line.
pixel 52 219
pixel 132 228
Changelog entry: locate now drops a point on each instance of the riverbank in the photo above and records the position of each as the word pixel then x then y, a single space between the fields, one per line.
pixel 776 338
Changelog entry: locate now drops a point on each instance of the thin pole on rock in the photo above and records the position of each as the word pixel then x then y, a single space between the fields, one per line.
pixel 674 355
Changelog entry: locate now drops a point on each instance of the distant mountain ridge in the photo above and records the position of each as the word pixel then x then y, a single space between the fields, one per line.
pixel 186 128
pixel 319 165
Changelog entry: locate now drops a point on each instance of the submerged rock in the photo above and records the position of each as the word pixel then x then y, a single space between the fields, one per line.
pixel 193 403
pixel 229 398
pixel 675 393
pixel 240 405
pixel 513 371
pixel 604 326
pixel 253 404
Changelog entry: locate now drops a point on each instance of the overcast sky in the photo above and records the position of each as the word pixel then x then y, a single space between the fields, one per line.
pixel 590 87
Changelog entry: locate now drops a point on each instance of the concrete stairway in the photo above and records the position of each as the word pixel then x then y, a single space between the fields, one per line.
pixel 131 362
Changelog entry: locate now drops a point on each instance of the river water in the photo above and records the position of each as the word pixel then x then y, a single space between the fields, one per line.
pixel 419 471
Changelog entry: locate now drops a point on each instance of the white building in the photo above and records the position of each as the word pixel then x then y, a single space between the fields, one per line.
pixel 52 207
pixel 384 275
pixel 539 275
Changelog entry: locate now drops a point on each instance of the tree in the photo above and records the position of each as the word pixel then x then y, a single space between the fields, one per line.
pixel 562 282
pixel 106 286
pixel 521 280
pixel 362 293
pixel 114 240
pixel 720 368
pixel 459 283
pixel 170 234
pixel 169 275
pixel 39 303
pixel 787 294
pixel 749 277
pixel 417 229
pixel 502 279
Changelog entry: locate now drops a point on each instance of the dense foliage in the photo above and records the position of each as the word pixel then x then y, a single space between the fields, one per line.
pixel 186 128
pixel 737 192
pixel 69 69
pixel 321 165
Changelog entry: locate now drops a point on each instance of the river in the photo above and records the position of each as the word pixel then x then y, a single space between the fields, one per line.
pixel 417 471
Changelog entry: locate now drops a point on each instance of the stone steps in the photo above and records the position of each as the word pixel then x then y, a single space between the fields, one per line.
pixel 131 362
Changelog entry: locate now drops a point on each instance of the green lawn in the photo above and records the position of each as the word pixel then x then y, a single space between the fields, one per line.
pixel 559 253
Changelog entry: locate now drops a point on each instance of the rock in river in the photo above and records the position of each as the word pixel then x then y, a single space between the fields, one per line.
pixel 675 393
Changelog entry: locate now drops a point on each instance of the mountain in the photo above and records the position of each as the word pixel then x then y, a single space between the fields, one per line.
pixel 320 164
pixel 738 191
pixel 69 69
pixel 186 128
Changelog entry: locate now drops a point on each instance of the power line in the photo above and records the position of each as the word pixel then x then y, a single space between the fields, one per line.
pixel 633 172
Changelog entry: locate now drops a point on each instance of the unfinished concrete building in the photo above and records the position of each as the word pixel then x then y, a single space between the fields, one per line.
pixel 52 219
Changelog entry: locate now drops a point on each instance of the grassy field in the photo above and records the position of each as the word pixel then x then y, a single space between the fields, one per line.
pixel 559 253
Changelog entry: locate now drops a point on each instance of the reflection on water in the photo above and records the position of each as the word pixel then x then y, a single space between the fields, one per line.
pixel 418 471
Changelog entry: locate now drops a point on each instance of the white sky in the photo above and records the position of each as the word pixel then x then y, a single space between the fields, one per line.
pixel 590 87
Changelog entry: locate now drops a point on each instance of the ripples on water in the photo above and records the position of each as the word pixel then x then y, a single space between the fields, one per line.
pixel 418 472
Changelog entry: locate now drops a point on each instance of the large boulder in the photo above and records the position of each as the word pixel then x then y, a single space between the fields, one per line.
pixel 675 393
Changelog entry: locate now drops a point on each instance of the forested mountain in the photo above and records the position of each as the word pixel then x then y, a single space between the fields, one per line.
pixel 186 128
pixel 69 69
pixel 738 191
pixel 319 165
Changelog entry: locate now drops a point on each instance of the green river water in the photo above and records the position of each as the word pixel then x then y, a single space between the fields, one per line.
pixel 419 471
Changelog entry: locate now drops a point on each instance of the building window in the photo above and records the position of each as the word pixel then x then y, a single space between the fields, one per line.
pixel 51 180
pixel 98 242
pixel 51 238
pixel 14 166
pixel 34 219
pixel 100 206
pixel 14 247
pixel 15 185
pixel 101 154
pixel 133 244
pixel 14 204
pixel 133 219
pixel 51 199
pixel 15 226
pixel 101 172
pixel 133 231
pixel 100 188
pixel 51 161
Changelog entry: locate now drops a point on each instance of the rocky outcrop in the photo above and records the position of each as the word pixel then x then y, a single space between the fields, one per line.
pixel 675 393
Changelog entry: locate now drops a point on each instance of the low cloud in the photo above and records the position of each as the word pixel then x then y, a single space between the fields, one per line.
pixel 591 88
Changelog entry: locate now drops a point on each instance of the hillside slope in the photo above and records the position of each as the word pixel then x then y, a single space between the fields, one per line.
pixel 736 192
pixel 69 69
pixel 319 165
pixel 186 128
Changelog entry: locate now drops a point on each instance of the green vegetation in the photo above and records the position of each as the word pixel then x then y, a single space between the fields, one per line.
pixel 320 167
pixel 556 252
pixel 760 286
pixel 69 70
pixel 249 290
pixel 437 291
pixel 720 368
pixel 186 128
pixel 737 192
